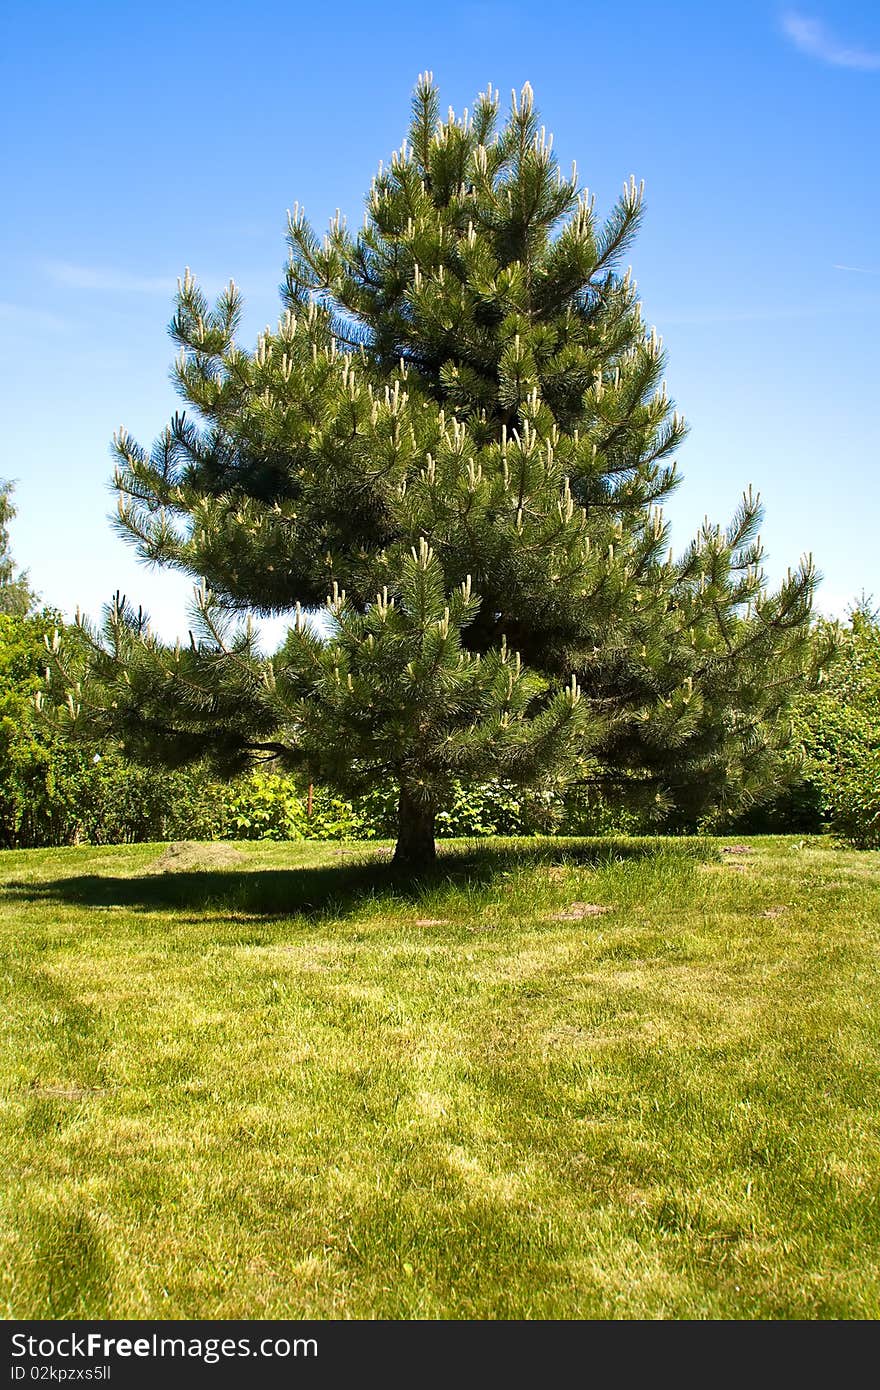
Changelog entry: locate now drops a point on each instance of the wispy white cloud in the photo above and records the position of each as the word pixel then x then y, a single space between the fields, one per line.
pixel 107 279
pixel 811 36
pixel 857 269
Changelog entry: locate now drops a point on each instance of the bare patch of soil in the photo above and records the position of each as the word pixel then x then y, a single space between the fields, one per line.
pixel 576 912
pixel 184 855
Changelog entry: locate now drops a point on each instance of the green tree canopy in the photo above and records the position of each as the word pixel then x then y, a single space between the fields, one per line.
pixel 16 596
pixel 458 440
pixel 838 727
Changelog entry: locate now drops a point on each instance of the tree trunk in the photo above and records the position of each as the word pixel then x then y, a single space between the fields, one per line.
pixel 415 830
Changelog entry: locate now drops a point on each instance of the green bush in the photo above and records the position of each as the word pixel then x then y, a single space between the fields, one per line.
pixel 119 802
pixel 270 806
pixel 588 812
pixel 835 782
pixel 55 793
pixel 839 727
pixel 260 807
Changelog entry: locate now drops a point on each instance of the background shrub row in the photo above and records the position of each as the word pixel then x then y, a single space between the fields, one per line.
pixel 53 793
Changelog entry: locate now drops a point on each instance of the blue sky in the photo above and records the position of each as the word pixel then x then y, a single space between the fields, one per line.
pixel 140 139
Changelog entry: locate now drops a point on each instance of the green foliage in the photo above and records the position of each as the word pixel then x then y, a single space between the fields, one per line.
pixel 839 728
pixel 16 595
pixel 55 791
pixel 35 797
pixel 586 811
pixel 270 806
pixel 834 770
pixel 120 802
pixel 496 808
pixel 262 808
pixel 460 432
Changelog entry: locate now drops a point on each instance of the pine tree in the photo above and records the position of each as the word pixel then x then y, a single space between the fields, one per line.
pixel 458 440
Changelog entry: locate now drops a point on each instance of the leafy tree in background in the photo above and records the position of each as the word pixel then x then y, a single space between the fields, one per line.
pixel 53 790
pixel 27 781
pixel 834 781
pixel 458 440
pixel 838 727
pixel 16 596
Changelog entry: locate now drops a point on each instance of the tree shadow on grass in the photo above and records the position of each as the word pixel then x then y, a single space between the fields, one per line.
pixel 339 889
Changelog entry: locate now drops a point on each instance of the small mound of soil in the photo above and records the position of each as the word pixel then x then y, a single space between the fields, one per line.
pixel 184 855
pixel 576 912
pixel 737 849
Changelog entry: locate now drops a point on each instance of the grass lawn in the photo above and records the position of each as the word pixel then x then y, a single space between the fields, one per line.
pixel 626 1079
